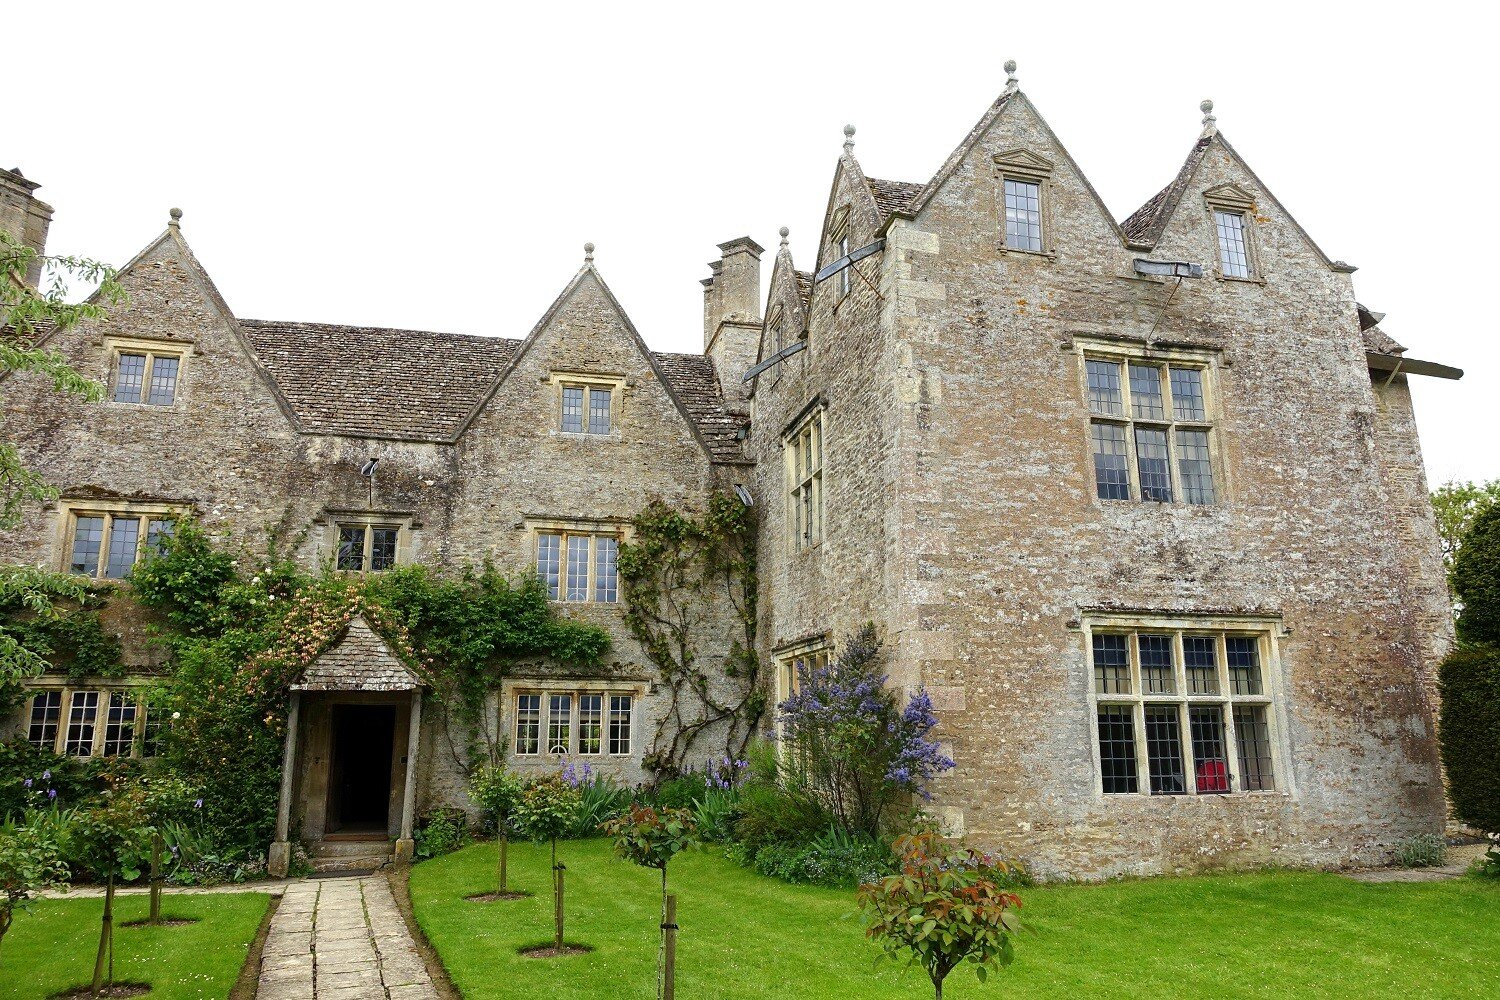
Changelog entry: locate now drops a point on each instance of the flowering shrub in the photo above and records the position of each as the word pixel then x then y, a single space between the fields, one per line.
pixel 945 905
pixel 849 744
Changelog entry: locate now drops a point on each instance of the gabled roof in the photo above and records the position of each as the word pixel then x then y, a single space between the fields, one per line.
pixel 892 196
pixel 375 382
pixel 693 379
pixel 1144 226
pixel 804 281
pixel 360 661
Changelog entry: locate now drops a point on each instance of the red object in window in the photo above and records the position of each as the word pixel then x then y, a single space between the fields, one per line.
pixel 1213 776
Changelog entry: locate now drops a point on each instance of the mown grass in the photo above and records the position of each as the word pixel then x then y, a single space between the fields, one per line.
pixel 1272 935
pixel 52 948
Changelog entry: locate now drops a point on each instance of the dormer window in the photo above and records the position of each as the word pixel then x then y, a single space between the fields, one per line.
pixel 1023 215
pixel 1234 257
pixel 839 252
pixel 143 371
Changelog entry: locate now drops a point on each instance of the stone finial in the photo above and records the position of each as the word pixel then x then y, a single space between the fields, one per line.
pixel 785 232
pixel 848 138
pixel 1012 82
pixel 176 217
pixel 1210 125
pixel 588 253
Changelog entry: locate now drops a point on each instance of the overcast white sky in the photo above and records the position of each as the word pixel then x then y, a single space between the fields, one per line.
pixel 439 166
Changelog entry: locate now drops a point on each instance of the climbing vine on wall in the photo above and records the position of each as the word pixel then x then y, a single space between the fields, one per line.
pixel 681 573
pixel 50 621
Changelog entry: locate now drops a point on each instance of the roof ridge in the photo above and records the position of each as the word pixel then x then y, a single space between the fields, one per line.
pixel 313 325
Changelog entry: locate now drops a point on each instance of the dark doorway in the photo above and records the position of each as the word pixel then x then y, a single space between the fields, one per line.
pixel 359 780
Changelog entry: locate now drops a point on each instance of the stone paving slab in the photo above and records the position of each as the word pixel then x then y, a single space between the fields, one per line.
pixel 341 939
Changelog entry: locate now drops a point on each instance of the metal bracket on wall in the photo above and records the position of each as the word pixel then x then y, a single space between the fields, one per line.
pixel 850 258
pixel 776 359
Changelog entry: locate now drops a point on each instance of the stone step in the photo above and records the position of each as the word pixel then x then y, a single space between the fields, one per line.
pixel 352 848
pixel 350 862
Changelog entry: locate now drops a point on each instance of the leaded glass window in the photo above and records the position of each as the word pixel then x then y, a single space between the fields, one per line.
pixel 124 539
pixel 367 546
pixel 590 723
pixel 620 708
pixel 119 725
pixel 587 722
pixel 46 710
pixel 83 715
pixel 528 724
pixel 804 448
pixel 549 563
pixel 559 723
pixel 383 548
pixel 606 570
pixel 579 566
pixel 1234 259
pixel 1149 433
pixel 600 414
pixel 1023 215
pixel 108 544
pixel 88 543
pixel 1151 684
pixel 81 732
pixel 840 250
pixel 163 382
pixel 572 409
pixel 351 547
pixel 145 377
pixel 130 375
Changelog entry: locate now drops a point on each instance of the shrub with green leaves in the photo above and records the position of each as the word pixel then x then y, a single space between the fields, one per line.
pixel 1469 734
pixel 1476 579
pixel 651 838
pixel 548 810
pixel 109 838
pixel 439 832
pixel 1425 850
pixel 946 904
pixel 31 860
pixel 497 790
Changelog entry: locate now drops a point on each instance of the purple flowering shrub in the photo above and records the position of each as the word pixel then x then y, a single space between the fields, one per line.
pixel 849 742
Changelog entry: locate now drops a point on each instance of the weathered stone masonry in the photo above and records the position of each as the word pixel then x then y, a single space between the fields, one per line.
pixel 960 512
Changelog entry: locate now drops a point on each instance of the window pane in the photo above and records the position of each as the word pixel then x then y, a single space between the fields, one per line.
pixel 578 568
pixel 1023 215
pixel 1164 750
pixel 606 570
pixel 559 722
pixel 351 547
pixel 163 382
pixel 1210 763
pixel 1111 471
pixel 82 715
pixel 124 536
pixel 1254 738
pixel 1117 748
pixel 151 732
pixel 1104 388
pixel 1232 257
pixel 599 414
pixel 528 723
pixel 88 540
pixel 572 410
pixel 46 707
pixel 1187 394
pixel 158 530
pixel 130 375
pixel 119 725
pixel 1146 401
pixel 1111 665
pixel 1201 657
pixel 1151 463
pixel 590 723
pixel 619 723
pixel 548 562
pixel 1193 467
pixel 383 548
pixel 1158 673
pixel 1243 652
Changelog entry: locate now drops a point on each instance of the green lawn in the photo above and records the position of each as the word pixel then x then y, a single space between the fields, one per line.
pixel 744 936
pixel 52 948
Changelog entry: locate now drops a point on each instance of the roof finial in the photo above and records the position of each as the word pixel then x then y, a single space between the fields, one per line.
pixel 1012 82
pixel 848 138
pixel 1210 123
pixel 785 232
pixel 176 217
pixel 588 253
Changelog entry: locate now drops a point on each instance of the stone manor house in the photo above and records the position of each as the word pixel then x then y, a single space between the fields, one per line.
pixel 1140 503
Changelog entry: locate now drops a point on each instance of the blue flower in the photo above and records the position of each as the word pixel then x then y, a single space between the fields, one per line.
pixel 26 783
pixel 198 804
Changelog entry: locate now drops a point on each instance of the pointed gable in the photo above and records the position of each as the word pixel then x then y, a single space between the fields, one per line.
pixel 360 661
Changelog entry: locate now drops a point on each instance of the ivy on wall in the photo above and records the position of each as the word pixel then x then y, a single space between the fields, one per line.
pixel 681 573
pixel 50 621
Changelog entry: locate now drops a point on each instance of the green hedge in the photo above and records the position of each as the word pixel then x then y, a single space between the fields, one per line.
pixel 1470 736
pixel 1476 579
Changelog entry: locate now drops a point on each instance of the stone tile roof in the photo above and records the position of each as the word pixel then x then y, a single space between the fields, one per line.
pixel 419 386
pixel 1144 226
pixel 892 196
pixel 804 285
pixel 375 382
pixel 1380 342
pixel 695 383
pixel 360 661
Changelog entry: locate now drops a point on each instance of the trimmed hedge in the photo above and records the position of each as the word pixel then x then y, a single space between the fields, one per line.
pixel 1470 734
pixel 1476 579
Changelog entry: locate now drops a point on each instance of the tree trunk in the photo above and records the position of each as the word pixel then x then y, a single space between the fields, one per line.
pixel 5 917
pixel 504 843
pixel 156 845
pixel 106 924
pixel 661 948
pixel 558 916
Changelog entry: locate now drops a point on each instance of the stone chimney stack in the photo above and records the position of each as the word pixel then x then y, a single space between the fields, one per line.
pixel 731 315
pixel 23 216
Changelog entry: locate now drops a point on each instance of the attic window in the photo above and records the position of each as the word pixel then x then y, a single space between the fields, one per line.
pixel 1023 215
pixel 143 371
pixel 587 404
pixel 841 250
pixel 1234 257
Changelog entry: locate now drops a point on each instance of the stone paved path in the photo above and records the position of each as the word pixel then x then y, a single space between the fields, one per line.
pixel 341 939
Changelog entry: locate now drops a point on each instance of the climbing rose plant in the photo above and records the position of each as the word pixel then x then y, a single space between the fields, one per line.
pixel 849 742
pixel 947 904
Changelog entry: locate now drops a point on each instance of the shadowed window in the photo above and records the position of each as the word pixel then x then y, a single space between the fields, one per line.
pixel 1149 432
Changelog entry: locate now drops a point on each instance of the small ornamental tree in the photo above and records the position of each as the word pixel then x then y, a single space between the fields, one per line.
pixel 166 802
pixel 651 838
pixel 497 792
pixel 548 809
pixel 850 744
pixel 106 838
pixel 30 861
pixel 946 905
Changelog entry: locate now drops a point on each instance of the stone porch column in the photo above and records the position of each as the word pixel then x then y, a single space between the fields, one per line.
pixel 280 858
pixel 406 846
